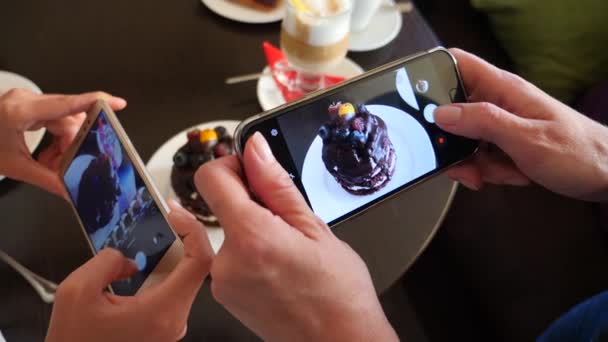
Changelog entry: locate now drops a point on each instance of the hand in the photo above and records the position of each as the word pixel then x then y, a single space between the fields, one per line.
pixel 83 311
pixel 281 271
pixel 62 115
pixel 531 136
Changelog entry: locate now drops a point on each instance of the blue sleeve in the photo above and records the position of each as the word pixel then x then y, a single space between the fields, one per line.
pixel 587 321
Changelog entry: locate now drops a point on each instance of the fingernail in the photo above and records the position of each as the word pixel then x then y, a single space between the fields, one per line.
pixel 261 148
pixel 469 184
pixel 174 203
pixel 133 263
pixel 517 181
pixel 179 210
pixel 117 101
pixel 448 115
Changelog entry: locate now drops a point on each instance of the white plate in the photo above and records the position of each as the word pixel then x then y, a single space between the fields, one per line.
pixel 8 81
pixel 244 14
pixel 384 26
pixel 270 96
pixel 161 163
pixel 415 157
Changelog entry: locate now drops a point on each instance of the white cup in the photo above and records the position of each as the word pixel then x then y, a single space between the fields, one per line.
pixel 363 11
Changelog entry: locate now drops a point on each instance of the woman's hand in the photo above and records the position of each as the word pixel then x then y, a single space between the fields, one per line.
pixel 527 135
pixel 281 270
pixel 84 311
pixel 62 115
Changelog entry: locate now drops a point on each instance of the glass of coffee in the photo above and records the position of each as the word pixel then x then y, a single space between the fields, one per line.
pixel 314 38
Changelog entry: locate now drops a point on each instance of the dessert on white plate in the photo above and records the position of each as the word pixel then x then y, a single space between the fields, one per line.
pixel 246 11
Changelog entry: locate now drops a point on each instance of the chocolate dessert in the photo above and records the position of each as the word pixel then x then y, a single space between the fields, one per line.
pixel 98 191
pixel 357 150
pixel 202 146
pixel 265 5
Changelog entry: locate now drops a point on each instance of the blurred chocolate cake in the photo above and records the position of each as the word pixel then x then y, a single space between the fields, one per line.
pixel 357 150
pixel 98 191
pixel 202 146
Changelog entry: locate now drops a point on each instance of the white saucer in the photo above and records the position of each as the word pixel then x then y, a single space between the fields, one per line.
pixel 244 14
pixel 384 26
pixel 161 163
pixel 270 96
pixel 8 81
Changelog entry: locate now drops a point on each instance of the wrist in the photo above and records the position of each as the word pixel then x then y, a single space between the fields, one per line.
pixel 361 325
pixel 601 154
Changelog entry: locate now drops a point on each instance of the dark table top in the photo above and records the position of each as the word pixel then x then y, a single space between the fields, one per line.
pixel 169 59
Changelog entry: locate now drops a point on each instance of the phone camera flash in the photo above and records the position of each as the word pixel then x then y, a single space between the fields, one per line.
pixel 274 132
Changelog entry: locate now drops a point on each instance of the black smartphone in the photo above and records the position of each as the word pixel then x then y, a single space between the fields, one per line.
pixel 351 146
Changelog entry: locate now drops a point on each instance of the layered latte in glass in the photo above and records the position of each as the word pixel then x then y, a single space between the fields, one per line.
pixel 314 36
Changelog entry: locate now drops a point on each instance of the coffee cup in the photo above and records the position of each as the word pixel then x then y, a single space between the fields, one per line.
pixel 362 13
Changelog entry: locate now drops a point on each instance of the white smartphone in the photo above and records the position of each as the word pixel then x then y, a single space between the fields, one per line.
pixel 116 203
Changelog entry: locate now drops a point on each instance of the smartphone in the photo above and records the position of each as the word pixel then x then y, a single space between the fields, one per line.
pixel 116 203
pixel 349 147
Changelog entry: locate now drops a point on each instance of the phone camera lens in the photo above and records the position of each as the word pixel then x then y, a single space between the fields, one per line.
pixel 422 86
pixel 274 132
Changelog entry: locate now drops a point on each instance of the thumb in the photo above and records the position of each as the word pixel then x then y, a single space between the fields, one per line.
pixel 37 174
pixel 273 186
pixel 98 273
pixel 483 121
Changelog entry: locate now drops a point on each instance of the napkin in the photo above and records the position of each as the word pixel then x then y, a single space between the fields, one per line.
pixel 278 65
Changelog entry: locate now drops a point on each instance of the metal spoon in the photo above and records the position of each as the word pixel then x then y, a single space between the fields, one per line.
pixel 46 289
pixel 245 78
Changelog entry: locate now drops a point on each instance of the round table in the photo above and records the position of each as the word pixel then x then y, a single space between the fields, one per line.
pixel 169 59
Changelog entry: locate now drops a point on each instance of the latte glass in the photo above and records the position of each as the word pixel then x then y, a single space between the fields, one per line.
pixel 314 41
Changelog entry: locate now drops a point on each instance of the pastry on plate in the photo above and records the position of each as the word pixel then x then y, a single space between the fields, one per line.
pixel 357 150
pixel 202 146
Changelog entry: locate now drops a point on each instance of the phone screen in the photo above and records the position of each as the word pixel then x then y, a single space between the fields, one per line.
pixel 360 143
pixel 114 204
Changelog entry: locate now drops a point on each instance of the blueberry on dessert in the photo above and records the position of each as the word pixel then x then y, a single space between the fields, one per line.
pixel 202 146
pixel 357 150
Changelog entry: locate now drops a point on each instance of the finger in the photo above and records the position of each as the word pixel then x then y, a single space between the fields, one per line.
pixel 467 174
pixel 485 82
pixel 495 168
pixel 104 268
pixel 177 292
pixel 273 186
pixel 485 121
pixel 220 182
pixel 490 168
pixel 48 156
pixel 66 127
pixel 52 107
pixel 32 172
